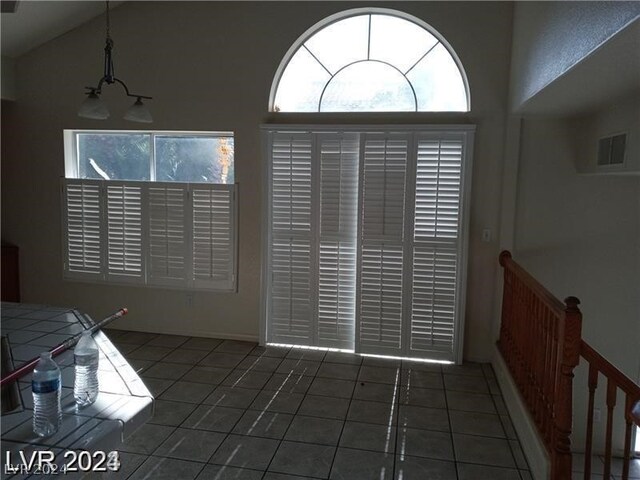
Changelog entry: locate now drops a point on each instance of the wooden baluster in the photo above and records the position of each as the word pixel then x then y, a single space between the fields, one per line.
pixel 593 384
pixel 628 407
pixel 507 300
pixel 635 412
pixel 517 335
pixel 549 369
pixel 538 374
pixel 611 404
pixel 532 303
pixel 570 345
pixel 545 367
pixel 555 344
pixel 517 329
pixel 524 345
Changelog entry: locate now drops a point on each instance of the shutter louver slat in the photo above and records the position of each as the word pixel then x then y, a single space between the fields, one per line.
pixel 83 229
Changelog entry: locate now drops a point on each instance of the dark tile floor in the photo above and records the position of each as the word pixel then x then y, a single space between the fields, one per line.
pixel 234 410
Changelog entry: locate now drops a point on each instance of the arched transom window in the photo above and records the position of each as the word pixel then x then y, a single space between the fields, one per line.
pixel 379 61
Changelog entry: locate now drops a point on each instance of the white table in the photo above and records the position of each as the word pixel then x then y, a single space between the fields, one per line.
pixel 123 404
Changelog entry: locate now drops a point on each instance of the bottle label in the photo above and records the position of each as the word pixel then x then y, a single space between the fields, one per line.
pixel 46 387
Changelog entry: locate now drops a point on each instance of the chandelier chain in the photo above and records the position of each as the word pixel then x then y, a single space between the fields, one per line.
pixel 108 21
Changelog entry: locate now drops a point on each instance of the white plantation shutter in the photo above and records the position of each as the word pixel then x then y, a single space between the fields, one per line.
pixel 213 216
pixel 290 315
pixel 366 245
pixel 291 306
pixel 380 276
pixel 380 300
pixel 124 232
pixel 433 300
pixel 338 228
pixel 83 228
pixel 168 234
pixel 438 177
pixel 436 242
pixel 162 234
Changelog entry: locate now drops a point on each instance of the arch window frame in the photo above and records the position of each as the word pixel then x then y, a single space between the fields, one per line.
pixel 335 18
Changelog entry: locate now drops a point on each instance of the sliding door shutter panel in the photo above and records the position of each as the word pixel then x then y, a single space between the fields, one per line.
pixel 436 247
pixel 291 316
pixel 365 239
pixel 339 155
pixel 380 300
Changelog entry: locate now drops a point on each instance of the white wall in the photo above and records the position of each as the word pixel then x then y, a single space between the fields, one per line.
pixel 8 81
pixel 209 66
pixel 579 235
pixel 621 117
pixel 549 38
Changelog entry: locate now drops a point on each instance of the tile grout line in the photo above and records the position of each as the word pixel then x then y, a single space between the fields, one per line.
pixel 453 446
pixel 506 436
pixel 304 395
pixel 346 416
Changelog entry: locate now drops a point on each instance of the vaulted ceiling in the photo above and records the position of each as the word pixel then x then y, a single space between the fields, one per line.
pixel 29 24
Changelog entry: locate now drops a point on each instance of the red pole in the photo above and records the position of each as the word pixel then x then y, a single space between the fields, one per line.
pixel 58 349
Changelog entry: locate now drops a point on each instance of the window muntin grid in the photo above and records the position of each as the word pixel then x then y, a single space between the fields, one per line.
pixel 371 62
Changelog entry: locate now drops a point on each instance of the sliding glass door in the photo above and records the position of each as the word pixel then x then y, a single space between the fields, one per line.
pixel 366 246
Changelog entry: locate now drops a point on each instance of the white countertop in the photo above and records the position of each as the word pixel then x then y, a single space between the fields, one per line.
pixel 123 404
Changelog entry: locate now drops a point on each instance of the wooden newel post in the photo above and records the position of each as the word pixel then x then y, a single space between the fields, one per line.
pixel 505 320
pixel 571 338
pixel 504 256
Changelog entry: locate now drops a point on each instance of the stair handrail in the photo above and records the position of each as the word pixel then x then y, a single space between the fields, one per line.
pixel 616 380
pixel 530 313
pixel 541 354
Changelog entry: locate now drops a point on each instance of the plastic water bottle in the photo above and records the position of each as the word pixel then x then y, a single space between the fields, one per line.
pixel 46 387
pixel 85 385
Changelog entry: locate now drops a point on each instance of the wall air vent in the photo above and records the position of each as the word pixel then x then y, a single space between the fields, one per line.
pixel 611 150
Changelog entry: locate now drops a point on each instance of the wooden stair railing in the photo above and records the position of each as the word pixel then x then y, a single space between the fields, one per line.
pixel 616 380
pixel 540 342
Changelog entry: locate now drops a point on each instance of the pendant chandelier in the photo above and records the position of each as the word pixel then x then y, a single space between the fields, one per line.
pixel 93 107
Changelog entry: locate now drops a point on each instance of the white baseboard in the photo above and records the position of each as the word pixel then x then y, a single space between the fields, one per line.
pixel 532 445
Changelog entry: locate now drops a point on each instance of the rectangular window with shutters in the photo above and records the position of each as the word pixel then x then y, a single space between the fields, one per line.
pixel 150 208
pixel 366 238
